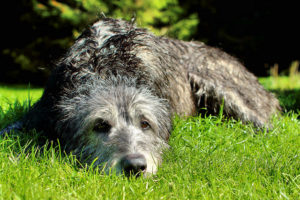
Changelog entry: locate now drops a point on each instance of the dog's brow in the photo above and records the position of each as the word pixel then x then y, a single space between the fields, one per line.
pixel 124 112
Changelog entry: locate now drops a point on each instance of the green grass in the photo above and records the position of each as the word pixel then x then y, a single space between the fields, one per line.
pixel 210 158
pixel 286 88
pixel 10 94
pixel 281 83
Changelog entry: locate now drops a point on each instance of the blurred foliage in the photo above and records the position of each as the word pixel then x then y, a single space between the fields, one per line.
pixel 37 32
pixel 43 29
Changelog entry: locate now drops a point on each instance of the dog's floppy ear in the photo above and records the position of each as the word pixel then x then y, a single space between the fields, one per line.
pixel 17 126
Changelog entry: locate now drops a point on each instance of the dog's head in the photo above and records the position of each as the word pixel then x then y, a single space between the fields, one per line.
pixel 115 125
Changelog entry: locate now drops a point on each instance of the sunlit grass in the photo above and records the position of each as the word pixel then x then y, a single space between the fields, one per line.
pixel 281 82
pixel 10 94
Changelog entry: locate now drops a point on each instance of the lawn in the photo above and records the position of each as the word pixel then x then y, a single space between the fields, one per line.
pixel 210 158
pixel 10 94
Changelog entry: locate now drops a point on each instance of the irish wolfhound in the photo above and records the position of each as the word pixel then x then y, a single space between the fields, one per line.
pixel 111 98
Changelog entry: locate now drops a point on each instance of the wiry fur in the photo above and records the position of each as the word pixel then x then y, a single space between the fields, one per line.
pixel 122 74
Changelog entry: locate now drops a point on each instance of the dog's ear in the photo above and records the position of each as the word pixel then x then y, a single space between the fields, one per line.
pixel 17 126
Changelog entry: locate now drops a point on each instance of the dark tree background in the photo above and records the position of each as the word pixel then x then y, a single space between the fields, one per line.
pixel 36 32
pixel 260 33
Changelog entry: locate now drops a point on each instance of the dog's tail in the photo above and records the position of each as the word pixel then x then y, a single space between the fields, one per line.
pixel 17 126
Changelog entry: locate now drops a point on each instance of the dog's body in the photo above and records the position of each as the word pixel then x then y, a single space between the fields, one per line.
pixel 113 95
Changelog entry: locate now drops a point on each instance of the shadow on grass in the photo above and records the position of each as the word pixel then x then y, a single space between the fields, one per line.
pixel 289 99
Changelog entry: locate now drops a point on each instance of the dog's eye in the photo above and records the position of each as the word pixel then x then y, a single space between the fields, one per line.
pixel 145 125
pixel 101 126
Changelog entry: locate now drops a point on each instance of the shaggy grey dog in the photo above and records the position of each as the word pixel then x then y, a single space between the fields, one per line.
pixel 111 98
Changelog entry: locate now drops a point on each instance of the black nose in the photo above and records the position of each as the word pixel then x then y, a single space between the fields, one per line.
pixel 134 164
